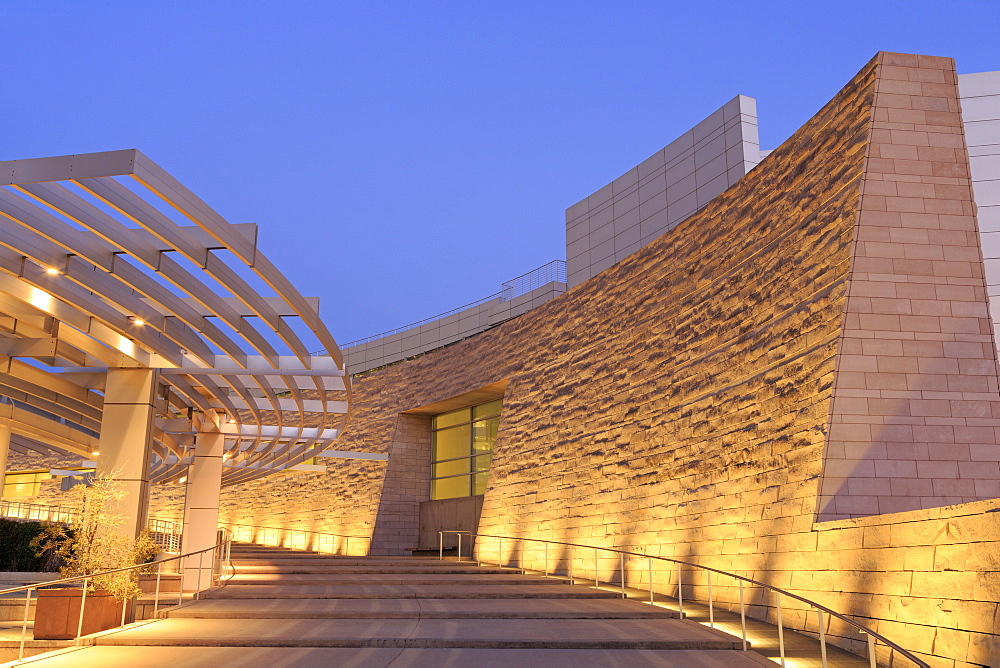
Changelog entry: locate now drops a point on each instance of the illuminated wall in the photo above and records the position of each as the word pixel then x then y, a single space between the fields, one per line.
pixel 748 391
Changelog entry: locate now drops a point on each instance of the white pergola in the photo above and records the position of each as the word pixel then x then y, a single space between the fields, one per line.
pixel 124 297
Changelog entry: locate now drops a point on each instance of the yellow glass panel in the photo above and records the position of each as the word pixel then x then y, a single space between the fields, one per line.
pixel 481 463
pixel 487 410
pixel 479 481
pixel 454 467
pixel 450 488
pixel 451 443
pixel 20 490
pixel 484 434
pixel 452 418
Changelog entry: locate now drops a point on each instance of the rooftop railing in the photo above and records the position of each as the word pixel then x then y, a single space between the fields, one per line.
pixel 825 617
pixel 554 271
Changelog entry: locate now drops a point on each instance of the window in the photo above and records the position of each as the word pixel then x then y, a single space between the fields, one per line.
pixel 462 450
pixel 23 484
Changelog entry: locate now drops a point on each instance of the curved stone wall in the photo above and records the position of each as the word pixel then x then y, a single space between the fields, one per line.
pixel 680 402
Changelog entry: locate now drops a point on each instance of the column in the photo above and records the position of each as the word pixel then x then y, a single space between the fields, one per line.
pixel 126 438
pixel 201 507
pixel 4 449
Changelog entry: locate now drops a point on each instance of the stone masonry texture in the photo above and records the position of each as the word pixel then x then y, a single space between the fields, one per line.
pixel 797 384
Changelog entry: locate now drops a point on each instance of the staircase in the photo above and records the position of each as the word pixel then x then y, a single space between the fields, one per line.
pixel 296 608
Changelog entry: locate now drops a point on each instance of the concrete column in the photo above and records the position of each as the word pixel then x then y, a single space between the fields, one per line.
pixel 201 507
pixel 4 449
pixel 126 437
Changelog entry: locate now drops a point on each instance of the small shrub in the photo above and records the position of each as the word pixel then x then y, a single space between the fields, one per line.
pixel 17 552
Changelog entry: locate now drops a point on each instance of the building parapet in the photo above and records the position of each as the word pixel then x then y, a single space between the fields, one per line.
pixel 517 296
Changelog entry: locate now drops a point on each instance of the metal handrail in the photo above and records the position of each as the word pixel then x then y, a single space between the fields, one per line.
pixel 554 271
pixel 220 555
pixel 282 539
pixel 35 511
pixel 165 533
pixel 872 636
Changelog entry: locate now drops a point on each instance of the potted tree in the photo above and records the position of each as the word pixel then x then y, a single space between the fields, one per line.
pixel 90 544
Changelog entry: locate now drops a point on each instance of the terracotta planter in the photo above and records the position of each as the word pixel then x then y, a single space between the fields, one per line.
pixel 57 614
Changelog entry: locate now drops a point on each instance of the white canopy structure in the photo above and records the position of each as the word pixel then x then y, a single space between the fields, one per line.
pixel 116 280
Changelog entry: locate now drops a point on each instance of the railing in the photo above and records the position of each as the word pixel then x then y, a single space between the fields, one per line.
pixel 512 289
pixel 35 511
pixel 298 539
pixel 872 637
pixel 219 567
pixel 414 325
pixel 165 534
pixel 554 271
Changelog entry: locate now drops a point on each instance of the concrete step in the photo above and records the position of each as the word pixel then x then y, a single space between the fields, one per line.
pixel 323 657
pixel 397 608
pixel 469 580
pixel 406 591
pixel 350 561
pixel 288 569
pixel 479 633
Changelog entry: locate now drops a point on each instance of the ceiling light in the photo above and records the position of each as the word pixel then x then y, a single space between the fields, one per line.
pixel 52 271
pixel 137 321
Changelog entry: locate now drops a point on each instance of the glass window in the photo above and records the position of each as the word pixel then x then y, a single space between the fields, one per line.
pixel 450 488
pixel 450 443
pixel 479 483
pixel 484 434
pixel 453 467
pixel 22 485
pixel 491 409
pixel 452 418
pixel 461 450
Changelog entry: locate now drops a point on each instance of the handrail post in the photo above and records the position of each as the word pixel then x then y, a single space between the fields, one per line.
pixel 680 592
pixel 822 638
pixel 570 569
pixel 871 650
pixel 83 604
pixel 440 545
pixel 546 559
pixel 24 623
pixel 711 611
pixel 597 566
pixel 621 563
pixel 499 551
pixel 743 618
pixel 156 595
pixel 197 589
pixel 460 547
pixel 649 564
pixel 781 629
pixel 180 588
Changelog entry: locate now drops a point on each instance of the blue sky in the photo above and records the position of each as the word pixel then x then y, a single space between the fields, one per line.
pixel 405 158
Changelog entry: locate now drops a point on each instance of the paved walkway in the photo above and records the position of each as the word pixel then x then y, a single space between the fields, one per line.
pixel 286 608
